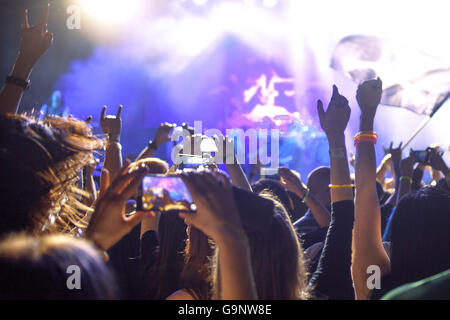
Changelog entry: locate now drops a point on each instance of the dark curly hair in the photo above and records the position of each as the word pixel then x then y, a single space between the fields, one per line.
pixel 40 163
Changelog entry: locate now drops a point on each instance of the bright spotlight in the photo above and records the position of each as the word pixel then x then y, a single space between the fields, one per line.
pixel 200 2
pixel 112 11
pixel 269 3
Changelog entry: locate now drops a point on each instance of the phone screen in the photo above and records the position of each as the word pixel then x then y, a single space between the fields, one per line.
pixel 194 162
pixel 164 193
pixel 269 173
pixel 421 156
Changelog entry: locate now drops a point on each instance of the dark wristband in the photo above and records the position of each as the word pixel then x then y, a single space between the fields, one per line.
pixel 18 82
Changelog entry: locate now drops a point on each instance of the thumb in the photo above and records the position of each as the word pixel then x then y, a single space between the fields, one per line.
pixel 136 218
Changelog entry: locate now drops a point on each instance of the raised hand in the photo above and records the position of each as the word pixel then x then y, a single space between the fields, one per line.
pixel 162 134
pixel 111 125
pixel 108 223
pixel 396 153
pixel 335 119
pixel 218 217
pixel 216 207
pixel 368 95
pixel 291 180
pixel 36 40
pixel 437 162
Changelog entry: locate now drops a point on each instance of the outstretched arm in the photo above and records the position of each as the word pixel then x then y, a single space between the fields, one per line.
pixel 291 180
pixel 334 121
pixel 384 167
pixel 34 43
pixel 112 127
pixel 161 137
pixel 332 277
pixel 234 168
pixel 367 243
pixel 438 163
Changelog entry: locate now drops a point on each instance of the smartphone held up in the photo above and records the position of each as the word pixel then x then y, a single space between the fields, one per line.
pixel 164 193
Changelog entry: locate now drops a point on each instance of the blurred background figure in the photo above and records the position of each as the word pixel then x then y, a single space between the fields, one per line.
pixel 56 107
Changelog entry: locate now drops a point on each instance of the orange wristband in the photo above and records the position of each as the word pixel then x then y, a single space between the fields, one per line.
pixel 365 137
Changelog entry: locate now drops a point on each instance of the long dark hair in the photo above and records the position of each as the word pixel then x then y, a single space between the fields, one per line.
pixel 277 260
pixel 276 188
pixel 163 278
pixel 420 236
pixel 195 277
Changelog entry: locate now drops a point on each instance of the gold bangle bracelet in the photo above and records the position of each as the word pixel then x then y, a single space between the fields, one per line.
pixel 335 186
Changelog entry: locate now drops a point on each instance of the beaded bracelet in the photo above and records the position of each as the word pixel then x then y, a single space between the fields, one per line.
pixel 365 137
pixel 305 197
pixel 335 186
pixel 406 178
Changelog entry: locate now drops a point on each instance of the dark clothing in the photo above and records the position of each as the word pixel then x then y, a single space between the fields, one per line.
pixel 124 262
pixel 306 224
pixel 149 250
pixel 332 279
pixel 310 238
pixel 160 281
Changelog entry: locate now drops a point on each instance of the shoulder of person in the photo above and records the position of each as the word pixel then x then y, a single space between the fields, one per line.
pixel 181 294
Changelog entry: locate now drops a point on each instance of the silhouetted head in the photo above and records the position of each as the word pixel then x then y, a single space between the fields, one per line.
pixel 53 267
pixel 277 259
pixel 164 276
pixel 420 235
pixel 443 185
pixel 274 188
pixel 318 183
pixel 300 208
